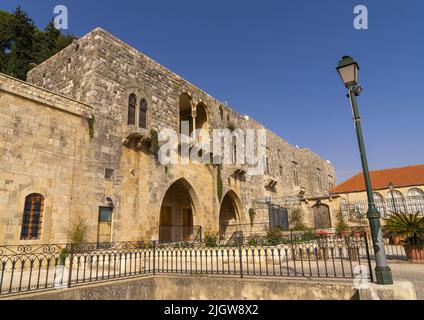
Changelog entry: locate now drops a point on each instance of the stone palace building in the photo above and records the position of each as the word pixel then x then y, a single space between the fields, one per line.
pixel 78 142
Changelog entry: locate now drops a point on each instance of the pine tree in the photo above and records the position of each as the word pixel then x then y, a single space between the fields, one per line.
pixel 23 45
pixel 22 30
pixel 5 36
pixel 11 62
pixel 51 36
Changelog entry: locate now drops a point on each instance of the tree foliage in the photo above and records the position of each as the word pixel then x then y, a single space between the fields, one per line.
pixel 410 226
pixel 23 45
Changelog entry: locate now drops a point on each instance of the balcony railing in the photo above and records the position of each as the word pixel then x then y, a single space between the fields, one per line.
pixel 358 208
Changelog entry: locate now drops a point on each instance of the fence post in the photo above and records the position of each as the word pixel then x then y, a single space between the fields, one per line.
pixel 240 244
pixel 367 249
pixel 71 259
pixel 154 257
pixel 292 246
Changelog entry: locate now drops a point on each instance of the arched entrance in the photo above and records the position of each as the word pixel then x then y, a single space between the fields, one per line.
pixel 321 216
pixel 201 117
pixel 176 213
pixel 229 214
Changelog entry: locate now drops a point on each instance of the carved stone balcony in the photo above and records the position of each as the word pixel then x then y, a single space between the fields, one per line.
pixel 135 136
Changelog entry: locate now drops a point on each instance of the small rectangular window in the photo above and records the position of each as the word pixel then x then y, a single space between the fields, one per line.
pixel 109 173
pixel 105 214
pixel 104 226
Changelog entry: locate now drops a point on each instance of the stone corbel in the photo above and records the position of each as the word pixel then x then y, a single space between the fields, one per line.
pixel 272 183
pixel 240 171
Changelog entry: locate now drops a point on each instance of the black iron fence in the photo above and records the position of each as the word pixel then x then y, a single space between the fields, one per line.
pixel 41 267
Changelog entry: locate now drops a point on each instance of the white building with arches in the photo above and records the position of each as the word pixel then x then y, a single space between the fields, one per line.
pixel 395 190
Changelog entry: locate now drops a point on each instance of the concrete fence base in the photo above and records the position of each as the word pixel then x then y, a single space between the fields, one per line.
pixel 225 288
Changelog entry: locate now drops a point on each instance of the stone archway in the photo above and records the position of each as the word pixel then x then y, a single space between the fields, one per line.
pixel 229 214
pixel 177 213
pixel 186 111
pixel 201 116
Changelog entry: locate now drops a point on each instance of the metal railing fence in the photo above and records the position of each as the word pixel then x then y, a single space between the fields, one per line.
pixel 30 268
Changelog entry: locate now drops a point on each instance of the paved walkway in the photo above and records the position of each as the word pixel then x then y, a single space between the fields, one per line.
pixel 413 272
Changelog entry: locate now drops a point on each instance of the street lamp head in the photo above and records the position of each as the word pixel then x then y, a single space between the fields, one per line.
pixel 391 186
pixel 348 70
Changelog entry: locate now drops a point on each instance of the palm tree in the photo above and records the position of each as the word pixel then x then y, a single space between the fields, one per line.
pixel 407 225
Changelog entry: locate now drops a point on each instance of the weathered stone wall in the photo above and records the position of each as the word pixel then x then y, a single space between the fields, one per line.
pixel 46 146
pixel 44 142
pixel 119 69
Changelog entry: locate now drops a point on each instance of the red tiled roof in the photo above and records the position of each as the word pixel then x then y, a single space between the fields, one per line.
pixel 380 179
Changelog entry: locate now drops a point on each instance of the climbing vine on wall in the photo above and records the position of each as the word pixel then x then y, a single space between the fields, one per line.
pixel 231 126
pixel 252 215
pixel 219 186
pixel 221 111
pixel 154 141
pixel 90 122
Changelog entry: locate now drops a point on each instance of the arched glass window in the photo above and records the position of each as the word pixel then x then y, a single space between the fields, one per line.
pixel 132 105
pixel 142 115
pixel 395 202
pixel 415 200
pixel 379 203
pixel 33 217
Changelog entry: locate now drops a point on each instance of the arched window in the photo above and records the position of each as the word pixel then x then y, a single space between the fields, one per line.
pixel 33 217
pixel 132 105
pixel 415 200
pixel 379 203
pixel 142 116
pixel 395 202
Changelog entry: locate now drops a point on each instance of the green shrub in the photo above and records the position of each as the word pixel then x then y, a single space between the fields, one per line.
pixel 64 254
pixel 210 240
pixel 297 220
pixel 273 237
pixel 341 225
pixel 78 232
pixel 309 235
pixel 254 240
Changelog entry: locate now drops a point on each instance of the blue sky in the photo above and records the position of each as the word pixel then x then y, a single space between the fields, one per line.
pixel 275 61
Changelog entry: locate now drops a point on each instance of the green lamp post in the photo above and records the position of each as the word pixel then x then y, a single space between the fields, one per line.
pixel 348 70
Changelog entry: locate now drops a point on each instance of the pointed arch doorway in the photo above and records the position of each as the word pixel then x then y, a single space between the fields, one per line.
pixel 177 214
pixel 229 214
